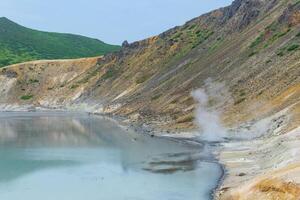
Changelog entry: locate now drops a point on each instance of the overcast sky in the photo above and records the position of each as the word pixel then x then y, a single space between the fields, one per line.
pixel 111 21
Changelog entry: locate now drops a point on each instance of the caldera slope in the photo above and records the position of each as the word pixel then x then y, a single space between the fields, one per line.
pixel 252 47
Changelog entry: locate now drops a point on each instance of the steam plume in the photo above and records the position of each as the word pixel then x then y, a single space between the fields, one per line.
pixel 210 100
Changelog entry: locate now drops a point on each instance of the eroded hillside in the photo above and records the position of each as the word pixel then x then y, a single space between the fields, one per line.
pixel 252 47
pixel 41 83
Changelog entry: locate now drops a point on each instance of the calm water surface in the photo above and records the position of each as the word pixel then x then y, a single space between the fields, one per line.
pixel 71 156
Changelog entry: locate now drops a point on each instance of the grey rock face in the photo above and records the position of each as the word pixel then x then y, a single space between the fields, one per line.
pixel 125 44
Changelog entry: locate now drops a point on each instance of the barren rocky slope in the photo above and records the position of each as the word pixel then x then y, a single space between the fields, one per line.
pixel 251 47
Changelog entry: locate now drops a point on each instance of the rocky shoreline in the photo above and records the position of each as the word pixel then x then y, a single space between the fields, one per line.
pixel 249 165
pixel 142 128
pixel 245 163
pixel 191 139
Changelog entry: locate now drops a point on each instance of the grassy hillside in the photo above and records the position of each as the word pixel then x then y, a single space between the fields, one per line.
pixel 19 44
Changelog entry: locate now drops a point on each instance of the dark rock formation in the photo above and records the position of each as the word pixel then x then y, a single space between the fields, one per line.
pixel 125 44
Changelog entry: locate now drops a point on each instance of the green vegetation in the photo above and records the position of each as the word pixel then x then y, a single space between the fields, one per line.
pixel 280 53
pixel 109 73
pixel 216 44
pixel 26 97
pixel 33 81
pixel 20 44
pixel 194 35
pixel 293 47
pixel 257 41
pixel 297 2
pixel 192 26
pixel 180 42
pixel 298 34
pixel 276 36
pixel 288 48
pixel 271 33
pixel 201 36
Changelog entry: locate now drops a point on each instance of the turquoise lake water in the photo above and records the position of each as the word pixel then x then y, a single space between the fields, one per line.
pixel 75 156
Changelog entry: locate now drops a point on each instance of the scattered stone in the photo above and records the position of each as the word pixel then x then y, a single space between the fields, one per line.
pixel 242 174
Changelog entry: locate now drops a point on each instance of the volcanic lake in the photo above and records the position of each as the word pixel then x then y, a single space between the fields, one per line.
pixel 76 156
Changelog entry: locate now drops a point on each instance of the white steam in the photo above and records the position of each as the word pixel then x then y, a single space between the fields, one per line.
pixel 210 100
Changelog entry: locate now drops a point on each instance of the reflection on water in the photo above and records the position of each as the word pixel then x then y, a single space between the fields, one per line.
pixel 77 156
